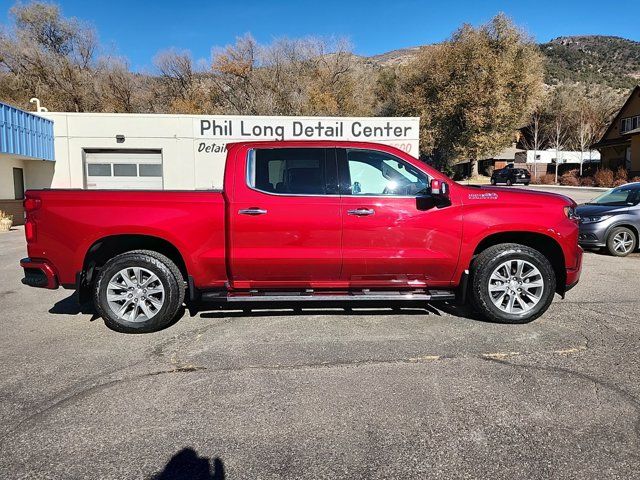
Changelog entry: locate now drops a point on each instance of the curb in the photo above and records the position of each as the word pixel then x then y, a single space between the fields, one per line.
pixel 538 185
pixel 595 189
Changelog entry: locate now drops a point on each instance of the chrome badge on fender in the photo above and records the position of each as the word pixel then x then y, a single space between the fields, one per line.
pixel 483 196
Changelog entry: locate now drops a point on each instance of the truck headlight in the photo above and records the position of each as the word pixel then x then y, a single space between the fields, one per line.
pixel 594 219
pixel 571 214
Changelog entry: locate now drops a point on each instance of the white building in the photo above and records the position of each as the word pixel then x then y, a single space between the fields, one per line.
pixel 26 157
pixel 564 156
pixel 151 151
pixel 187 152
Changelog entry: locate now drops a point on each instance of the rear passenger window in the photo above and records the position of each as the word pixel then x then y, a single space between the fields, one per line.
pixel 290 171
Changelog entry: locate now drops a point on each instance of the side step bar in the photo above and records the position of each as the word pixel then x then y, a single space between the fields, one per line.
pixel 310 295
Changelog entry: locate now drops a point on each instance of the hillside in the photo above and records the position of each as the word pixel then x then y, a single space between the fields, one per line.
pixel 610 61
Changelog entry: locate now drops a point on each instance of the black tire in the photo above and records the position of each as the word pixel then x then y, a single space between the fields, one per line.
pixel 509 182
pixel 526 184
pixel 611 242
pixel 167 272
pixel 489 260
pixel 493 181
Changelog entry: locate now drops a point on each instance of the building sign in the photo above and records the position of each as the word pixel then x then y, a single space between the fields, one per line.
pixel 257 128
pixel 212 133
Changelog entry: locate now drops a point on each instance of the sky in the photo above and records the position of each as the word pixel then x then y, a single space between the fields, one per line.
pixel 138 30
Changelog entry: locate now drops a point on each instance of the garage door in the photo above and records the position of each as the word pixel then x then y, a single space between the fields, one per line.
pixel 124 170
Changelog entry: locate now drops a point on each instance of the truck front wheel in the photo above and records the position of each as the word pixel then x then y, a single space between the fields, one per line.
pixel 511 283
pixel 139 291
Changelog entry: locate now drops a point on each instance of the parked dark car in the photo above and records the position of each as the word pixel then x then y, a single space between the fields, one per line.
pixel 612 220
pixel 510 175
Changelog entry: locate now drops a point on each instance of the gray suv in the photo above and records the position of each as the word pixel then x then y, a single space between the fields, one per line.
pixel 612 220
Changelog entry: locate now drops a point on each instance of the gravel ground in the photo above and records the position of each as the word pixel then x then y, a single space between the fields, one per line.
pixel 384 392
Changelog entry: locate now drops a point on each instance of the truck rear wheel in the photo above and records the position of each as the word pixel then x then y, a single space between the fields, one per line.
pixel 139 291
pixel 511 283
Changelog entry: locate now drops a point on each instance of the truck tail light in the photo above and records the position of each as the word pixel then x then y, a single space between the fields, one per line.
pixel 30 231
pixel 31 204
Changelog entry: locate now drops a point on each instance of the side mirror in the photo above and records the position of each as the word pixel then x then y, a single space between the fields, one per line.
pixel 439 196
pixel 425 202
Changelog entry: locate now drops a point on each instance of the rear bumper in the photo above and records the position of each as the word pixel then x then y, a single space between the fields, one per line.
pixel 38 273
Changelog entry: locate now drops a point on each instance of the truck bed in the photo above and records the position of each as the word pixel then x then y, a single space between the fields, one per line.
pixel 69 222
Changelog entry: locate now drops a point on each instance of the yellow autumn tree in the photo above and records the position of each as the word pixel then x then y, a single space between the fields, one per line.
pixel 474 91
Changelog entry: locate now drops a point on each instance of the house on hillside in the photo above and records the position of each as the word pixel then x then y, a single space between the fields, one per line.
pixel 499 160
pixel 539 162
pixel 544 161
pixel 620 144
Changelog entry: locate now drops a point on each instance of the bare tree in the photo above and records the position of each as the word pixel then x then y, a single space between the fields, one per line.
pixel 585 132
pixel 558 135
pixel 50 56
pixel 534 137
pixel 304 76
pixel 177 72
pixel 234 74
pixel 117 86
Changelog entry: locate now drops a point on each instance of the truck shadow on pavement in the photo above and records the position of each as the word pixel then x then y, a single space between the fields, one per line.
pixel 187 465
pixel 334 308
pixel 71 306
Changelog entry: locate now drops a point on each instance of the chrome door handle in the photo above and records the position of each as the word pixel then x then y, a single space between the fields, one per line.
pixel 252 211
pixel 361 212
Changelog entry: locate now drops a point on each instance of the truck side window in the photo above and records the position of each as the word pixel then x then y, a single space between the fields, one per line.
pixel 379 173
pixel 288 170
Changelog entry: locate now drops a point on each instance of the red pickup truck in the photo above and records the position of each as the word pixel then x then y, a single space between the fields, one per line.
pixel 305 221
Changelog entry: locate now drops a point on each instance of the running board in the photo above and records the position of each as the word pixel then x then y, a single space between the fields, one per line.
pixel 311 296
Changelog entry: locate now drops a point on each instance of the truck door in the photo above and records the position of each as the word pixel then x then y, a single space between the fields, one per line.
pixel 284 219
pixel 387 241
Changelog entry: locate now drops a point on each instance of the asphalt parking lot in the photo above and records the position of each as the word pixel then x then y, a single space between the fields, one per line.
pixel 384 392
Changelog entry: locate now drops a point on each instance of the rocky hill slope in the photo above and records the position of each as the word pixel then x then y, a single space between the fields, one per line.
pixel 610 61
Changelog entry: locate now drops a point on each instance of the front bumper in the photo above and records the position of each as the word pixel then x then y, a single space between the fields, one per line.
pixel 593 234
pixel 38 273
pixel 573 274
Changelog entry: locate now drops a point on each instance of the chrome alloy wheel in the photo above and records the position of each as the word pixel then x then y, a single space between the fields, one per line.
pixel 623 242
pixel 135 294
pixel 516 286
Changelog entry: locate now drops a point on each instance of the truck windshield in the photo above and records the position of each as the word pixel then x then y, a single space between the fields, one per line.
pixel 625 195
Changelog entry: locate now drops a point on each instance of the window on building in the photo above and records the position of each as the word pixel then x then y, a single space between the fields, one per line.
pixel 288 170
pixel 125 170
pixel 99 169
pixel 18 183
pixel 150 170
pixel 630 123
